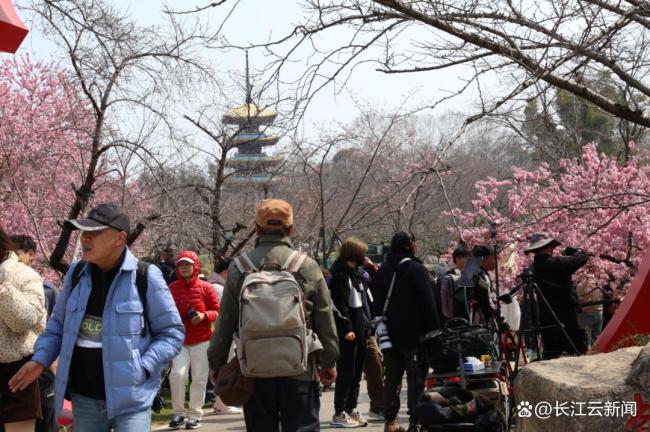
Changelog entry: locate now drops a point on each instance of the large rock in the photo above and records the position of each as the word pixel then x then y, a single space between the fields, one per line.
pixel 639 375
pixel 591 379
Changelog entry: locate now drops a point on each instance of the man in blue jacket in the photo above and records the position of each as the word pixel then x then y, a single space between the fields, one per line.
pixel 111 343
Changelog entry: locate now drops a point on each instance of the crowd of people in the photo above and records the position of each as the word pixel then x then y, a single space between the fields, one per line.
pixel 271 317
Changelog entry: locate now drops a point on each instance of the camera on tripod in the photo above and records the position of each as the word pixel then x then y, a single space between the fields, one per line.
pixel 527 276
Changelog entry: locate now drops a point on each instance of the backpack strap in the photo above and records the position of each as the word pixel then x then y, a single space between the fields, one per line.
pixel 390 290
pixel 142 284
pixel 244 264
pixel 294 262
pixel 76 274
pixel 292 265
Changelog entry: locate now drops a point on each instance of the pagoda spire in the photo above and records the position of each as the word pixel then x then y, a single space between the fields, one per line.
pixel 249 88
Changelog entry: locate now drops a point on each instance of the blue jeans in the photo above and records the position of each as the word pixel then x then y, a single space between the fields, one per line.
pixel 89 415
pixel 592 323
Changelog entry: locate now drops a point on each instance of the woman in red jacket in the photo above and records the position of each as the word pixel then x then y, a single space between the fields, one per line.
pixel 197 304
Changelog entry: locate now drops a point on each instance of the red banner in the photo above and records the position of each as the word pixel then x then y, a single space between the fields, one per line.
pixel 12 29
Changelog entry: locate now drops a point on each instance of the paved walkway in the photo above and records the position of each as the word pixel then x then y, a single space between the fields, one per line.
pixel 213 423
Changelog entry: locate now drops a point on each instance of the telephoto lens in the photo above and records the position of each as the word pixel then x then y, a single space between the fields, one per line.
pixel 382 337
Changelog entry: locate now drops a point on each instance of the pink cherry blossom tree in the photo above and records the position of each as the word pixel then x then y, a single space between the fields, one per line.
pixel 128 76
pixel 594 203
pixel 45 149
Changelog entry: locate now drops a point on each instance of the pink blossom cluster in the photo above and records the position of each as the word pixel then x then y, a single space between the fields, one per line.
pixel 45 147
pixel 595 203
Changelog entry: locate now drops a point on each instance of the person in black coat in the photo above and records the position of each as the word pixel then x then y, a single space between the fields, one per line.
pixel 352 316
pixel 486 311
pixel 553 275
pixel 410 314
pixel 168 264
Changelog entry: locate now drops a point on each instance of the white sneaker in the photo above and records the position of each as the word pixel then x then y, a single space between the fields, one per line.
pixel 343 420
pixel 221 408
pixel 227 410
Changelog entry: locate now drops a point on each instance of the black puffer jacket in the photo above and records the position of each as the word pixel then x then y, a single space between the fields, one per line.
pixel 411 310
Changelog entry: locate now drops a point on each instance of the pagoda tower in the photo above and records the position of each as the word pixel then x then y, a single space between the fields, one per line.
pixel 251 165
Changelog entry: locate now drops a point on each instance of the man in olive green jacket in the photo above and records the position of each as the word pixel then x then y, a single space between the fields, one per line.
pixel 292 401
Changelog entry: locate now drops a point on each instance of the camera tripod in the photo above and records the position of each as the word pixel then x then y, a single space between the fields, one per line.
pixel 530 309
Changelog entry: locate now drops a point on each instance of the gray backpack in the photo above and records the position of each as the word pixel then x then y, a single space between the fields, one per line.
pixel 450 295
pixel 274 337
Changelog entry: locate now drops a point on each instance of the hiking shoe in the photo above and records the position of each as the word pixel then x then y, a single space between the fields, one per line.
pixel 376 415
pixel 193 424
pixel 356 415
pixel 343 420
pixel 176 422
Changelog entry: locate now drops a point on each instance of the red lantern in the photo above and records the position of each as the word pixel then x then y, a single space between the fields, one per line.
pixel 12 29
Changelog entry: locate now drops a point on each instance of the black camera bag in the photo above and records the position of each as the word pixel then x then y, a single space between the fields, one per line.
pixel 440 347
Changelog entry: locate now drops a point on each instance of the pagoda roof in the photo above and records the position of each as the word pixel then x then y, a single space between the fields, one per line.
pixel 249 113
pixel 254 137
pixel 254 179
pixel 240 160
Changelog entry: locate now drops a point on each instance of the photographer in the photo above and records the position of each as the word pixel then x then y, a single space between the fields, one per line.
pixel 197 305
pixel 553 276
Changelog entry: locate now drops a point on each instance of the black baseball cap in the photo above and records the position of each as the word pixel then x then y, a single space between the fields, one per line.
pixel 106 215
